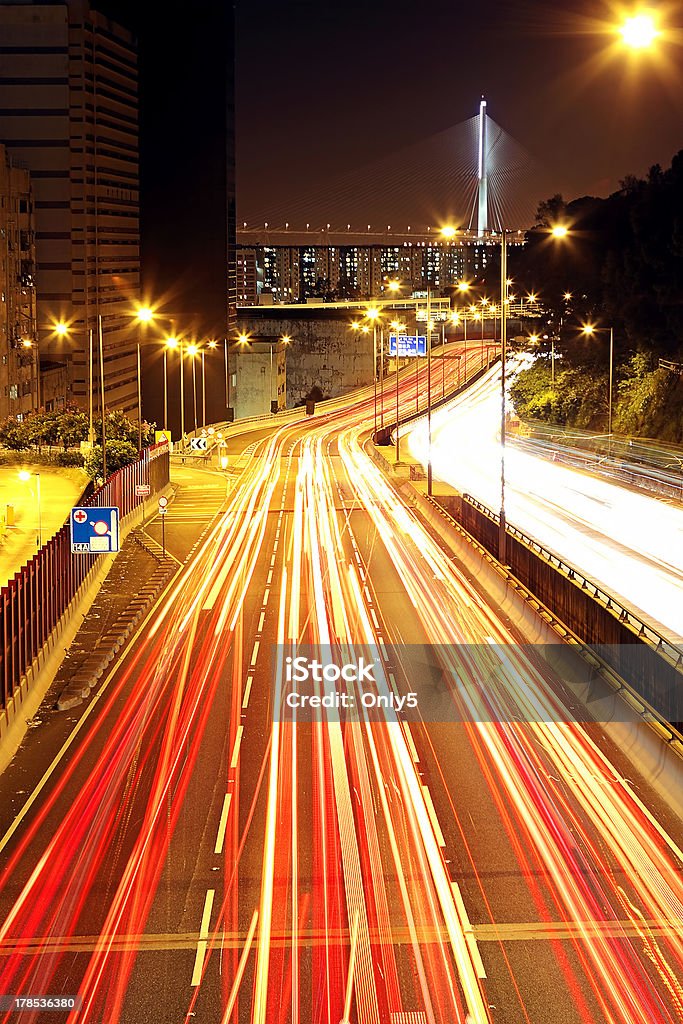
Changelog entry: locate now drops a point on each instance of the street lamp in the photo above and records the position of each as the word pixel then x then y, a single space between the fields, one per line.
pixel 589 330
pixel 192 350
pixel 169 343
pixel 398 328
pixel 373 316
pixel 62 330
pixel 25 475
pixel 639 31
pixel 144 316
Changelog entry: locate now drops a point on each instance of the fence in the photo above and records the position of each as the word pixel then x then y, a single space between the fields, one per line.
pixel 650 664
pixel 32 603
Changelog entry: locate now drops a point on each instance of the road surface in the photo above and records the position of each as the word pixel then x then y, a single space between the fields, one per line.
pixel 194 855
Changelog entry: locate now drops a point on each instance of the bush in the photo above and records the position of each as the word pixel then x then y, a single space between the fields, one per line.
pixel 67 459
pixel 119 454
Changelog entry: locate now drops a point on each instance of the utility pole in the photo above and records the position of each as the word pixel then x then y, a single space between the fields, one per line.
pixel 502 536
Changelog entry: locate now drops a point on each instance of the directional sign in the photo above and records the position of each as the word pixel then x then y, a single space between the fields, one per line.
pixel 198 444
pixel 94 530
pixel 408 345
pixel 142 490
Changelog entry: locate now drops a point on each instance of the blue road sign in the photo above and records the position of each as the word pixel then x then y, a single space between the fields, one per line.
pixel 408 345
pixel 94 530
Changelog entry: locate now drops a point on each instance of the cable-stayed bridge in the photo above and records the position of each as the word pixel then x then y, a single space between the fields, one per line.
pixel 473 175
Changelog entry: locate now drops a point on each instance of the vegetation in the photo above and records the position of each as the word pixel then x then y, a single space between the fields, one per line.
pixel 55 438
pixel 623 265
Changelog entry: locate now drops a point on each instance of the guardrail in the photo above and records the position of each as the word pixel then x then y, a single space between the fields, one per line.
pixel 34 601
pixel 654 672
pixel 669 364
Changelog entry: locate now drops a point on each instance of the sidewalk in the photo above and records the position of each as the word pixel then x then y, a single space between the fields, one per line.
pixel 60 489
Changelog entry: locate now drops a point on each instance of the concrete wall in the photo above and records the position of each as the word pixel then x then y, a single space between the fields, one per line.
pixel 324 352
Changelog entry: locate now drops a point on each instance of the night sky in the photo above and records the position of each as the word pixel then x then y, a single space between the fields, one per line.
pixel 324 88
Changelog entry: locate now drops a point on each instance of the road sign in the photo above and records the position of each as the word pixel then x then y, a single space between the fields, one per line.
pixel 408 345
pixel 163 501
pixel 162 510
pixel 94 530
pixel 162 435
pixel 198 444
pixel 142 490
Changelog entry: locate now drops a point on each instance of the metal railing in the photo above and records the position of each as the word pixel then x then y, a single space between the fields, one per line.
pixel 626 615
pixel 34 601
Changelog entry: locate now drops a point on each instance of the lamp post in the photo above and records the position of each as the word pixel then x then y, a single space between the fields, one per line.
pixel 170 343
pixel 62 330
pixel 398 327
pixel 26 475
pixel 502 537
pixel 429 391
pixel 373 315
pixel 145 315
pixel 192 350
pixel 590 329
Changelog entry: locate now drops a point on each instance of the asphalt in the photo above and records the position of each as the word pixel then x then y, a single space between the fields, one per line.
pixel 194 880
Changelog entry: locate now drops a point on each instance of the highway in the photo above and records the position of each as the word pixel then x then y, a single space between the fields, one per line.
pixel 629 541
pixel 194 855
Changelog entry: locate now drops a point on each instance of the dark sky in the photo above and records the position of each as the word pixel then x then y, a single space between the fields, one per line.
pixel 326 86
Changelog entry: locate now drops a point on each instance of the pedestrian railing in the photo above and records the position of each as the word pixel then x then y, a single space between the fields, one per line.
pixel 34 601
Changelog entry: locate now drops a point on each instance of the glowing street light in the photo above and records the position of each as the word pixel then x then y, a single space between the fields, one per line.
pixel 61 329
pixel 589 330
pixel 559 231
pixel 464 286
pixel 639 31
pixel 448 231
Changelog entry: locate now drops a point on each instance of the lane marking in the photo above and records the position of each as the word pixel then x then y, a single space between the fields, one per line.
pixel 260 622
pixel 203 935
pixel 431 810
pixel 247 692
pixel 254 653
pixel 266 595
pixel 236 748
pixel 222 825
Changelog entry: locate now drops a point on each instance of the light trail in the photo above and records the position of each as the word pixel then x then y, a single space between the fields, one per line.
pixel 349 796
pixel 630 542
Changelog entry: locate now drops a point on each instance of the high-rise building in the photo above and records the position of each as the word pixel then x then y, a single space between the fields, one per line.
pixel 68 76
pixel 18 336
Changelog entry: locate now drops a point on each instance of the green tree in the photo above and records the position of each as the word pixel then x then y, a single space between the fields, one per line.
pixel 14 434
pixel 73 428
pixel 119 454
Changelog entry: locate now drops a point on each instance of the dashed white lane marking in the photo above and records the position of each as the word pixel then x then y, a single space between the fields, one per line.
pixel 203 936
pixel 236 748
pixel 374 618
pixel 269 580
pixel 411 743
pixel 254 653
pixel 432 814
pixel 260 622
pixel 266 595
pixel 222 825
pixel 247 692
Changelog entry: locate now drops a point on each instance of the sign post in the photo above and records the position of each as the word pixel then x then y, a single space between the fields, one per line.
pixel 163 507
pixel 94 530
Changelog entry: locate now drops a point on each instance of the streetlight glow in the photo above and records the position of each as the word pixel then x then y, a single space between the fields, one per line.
pixel 145 315
pixel 448 231
pixel 192 349
pixel 61 329
pixel 588 329
pixel 559 231
pixel 372 313
pixel 393 286
pixel 463 286
pixel 639 31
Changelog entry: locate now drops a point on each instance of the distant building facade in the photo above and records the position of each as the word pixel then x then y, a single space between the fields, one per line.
pixel 18 334
pixel 324 268
pixel 70 113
